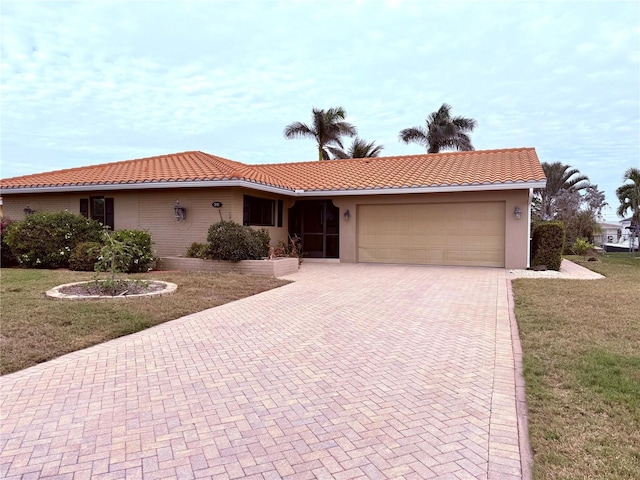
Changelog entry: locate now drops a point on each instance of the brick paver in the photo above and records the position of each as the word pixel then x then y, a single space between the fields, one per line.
pixel 352 371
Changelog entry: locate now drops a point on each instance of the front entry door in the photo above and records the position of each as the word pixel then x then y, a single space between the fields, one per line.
pixel 317 224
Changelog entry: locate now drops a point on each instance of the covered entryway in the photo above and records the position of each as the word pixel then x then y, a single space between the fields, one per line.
pixel 471 234
pixel 317 223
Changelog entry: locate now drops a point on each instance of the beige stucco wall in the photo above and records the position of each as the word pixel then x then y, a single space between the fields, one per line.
pixel 152 210
pixel 516 234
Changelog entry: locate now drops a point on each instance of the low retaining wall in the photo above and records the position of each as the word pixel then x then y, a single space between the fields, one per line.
pixel 276 268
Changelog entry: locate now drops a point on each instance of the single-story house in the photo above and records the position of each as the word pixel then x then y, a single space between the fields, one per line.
pixel 458 208
pixel 611 232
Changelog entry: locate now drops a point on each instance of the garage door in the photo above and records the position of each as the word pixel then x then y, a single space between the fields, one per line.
pixel 433 234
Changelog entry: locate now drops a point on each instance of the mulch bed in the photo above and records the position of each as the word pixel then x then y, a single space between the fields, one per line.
pixel 113 289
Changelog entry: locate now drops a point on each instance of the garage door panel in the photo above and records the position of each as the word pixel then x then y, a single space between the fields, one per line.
pixel 483 243
pixel 438 234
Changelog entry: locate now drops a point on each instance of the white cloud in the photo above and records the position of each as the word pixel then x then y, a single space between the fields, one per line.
pixel 100 81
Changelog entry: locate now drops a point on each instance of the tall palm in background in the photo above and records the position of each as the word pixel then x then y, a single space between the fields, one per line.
pixel 629 195
pixel 560 178
pixel 441 131
pixel 358 149
pixel 327 128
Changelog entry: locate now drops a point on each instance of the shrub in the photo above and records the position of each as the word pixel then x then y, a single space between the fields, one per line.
pixel 292 248
pixel 84 256
pixel 198 250
pixel 548 240
pixel 582 247
pixel 8 258
pixel 126 251
pixel 45 240
pixel 234 242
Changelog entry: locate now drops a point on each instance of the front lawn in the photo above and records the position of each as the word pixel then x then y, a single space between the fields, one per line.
pixel 581 343
pixel 35 328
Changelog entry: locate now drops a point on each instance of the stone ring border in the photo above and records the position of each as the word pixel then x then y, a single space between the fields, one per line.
pixel 56 294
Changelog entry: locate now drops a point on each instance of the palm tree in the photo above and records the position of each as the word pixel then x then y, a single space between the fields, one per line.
pixel 327 128
pixel 559 178
pixel 358 149
pixel 629 196
pixel 442 131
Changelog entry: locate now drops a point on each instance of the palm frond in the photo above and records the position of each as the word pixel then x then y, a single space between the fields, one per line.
pixel 337 153
pixel 442 131
pixel 414 135
pixel 361 149
pixel 328 127
pixel 629 195
pixel 298 130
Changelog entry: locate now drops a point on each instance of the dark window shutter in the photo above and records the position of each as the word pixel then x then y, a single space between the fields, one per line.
pixel 108 217
pixel 280 213
pixel 246 217
pixel 84 207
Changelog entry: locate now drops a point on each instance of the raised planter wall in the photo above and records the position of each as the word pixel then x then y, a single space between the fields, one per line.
pixel 276 268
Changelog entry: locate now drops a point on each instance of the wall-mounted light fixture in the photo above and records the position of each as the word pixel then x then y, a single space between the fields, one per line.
pixel 28 211
pixel 347 214
pixel 179 211
pixel 517 212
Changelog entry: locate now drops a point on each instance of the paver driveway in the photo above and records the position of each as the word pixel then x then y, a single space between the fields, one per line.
pixel 353 371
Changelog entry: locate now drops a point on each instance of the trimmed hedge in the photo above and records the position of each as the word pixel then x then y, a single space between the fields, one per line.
pixel 46 240
pixel 8 258
pixel 234 242
pixel 548 242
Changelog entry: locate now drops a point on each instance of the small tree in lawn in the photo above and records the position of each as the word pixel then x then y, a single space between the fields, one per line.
pixel 111 255
pixel 125 251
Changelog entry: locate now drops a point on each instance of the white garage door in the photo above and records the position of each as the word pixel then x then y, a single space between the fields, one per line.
pixel 433 234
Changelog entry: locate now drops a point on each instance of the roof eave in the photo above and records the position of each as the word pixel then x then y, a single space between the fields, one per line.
pixel 274 189
pixel 103 187
pixel 521 185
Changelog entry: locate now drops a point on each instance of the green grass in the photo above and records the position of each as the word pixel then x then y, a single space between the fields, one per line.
pixel 581 343
pixel 35 328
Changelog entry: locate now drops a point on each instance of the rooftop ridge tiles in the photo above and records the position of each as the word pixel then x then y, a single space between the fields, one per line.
pixel 120 163
pixel 392 157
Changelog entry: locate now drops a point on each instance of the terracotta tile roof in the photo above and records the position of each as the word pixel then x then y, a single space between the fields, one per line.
pixel 481 167
pixel 164 168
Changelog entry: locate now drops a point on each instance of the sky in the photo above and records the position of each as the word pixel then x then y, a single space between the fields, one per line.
pixel 91 82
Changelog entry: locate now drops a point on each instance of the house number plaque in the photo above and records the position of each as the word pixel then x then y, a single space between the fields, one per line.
pixel 216 204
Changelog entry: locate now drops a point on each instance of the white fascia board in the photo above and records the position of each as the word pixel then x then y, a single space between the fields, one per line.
pixel 148 186
pixel 438 189
pixel 273 189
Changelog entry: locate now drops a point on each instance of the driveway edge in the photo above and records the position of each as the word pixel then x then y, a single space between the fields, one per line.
pixel 526 454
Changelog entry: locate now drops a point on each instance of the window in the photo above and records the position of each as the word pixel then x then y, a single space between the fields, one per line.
pixel 258 211
pixel 99 209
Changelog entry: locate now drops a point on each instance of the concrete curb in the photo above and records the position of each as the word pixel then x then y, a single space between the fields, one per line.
pixel 526 454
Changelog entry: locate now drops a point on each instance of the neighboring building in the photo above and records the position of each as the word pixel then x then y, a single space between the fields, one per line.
pixel 460 208
pixel 610 233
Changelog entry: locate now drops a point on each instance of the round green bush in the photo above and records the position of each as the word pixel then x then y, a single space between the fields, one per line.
pixel 84 256
pixel 46 240
pixel 234 242
pixel 198 250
